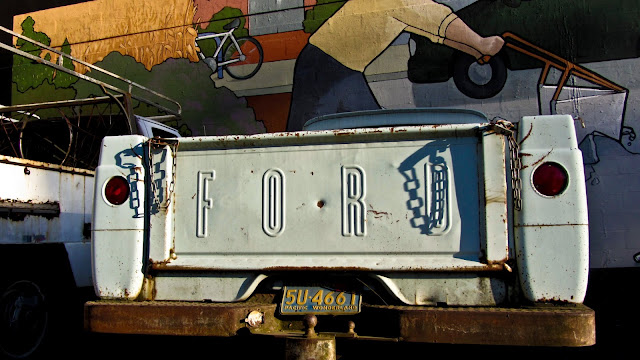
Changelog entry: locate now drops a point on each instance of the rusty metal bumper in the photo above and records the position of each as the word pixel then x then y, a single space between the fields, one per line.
pixel 568 325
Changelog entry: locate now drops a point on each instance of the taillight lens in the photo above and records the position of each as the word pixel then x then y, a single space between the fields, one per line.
pixel 550 179
pixel 116 192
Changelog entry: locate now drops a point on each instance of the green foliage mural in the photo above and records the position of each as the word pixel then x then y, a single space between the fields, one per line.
pixel 28 74
pixel 206 110
pixel 44 92
pixel 319 14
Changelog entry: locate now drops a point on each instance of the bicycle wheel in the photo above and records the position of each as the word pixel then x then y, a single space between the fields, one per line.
pixel 48 141
pixel 24 319
pixel 247 61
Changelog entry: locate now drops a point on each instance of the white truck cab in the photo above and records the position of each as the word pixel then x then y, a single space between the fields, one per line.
pixel 151 128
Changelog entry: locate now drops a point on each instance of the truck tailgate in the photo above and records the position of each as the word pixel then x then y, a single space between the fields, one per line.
pixel 377 199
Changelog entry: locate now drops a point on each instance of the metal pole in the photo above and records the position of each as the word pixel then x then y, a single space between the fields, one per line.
pixel 310 346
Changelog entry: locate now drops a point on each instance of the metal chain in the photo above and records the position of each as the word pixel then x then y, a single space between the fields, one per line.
pixel 515 161
pixel 174 155
pixel 154 188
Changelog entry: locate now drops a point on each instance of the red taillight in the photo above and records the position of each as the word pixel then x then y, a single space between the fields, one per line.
pixel 116 191
pixel 550 179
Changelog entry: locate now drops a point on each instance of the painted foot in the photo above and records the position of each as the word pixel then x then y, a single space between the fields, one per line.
pixel 491 45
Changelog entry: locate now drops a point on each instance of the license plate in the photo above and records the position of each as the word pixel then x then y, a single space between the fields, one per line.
pixel 319 300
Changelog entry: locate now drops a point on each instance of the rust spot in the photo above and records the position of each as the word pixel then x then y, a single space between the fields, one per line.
pixel 499 263
pixel 552 301
pixel 176 318
pixel 541 159
pixel 563 325
pixel 317 268
pixel 378 214
pixel 342 133
pixel 547 225
pixel 499 267
pixel 496 199
pixel 17 210
pixel 320 204
pixel 526 136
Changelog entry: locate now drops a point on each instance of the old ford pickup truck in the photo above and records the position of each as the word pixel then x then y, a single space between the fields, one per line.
pixel 422 225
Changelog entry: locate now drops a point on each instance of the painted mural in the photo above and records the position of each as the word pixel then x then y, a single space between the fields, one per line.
pixel 251 66
pixel 329 73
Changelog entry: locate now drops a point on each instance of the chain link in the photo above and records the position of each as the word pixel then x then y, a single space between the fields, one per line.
pixel 516 165
pixel 157 143
pixel 515 161
pixel 174 155
pixel 155 203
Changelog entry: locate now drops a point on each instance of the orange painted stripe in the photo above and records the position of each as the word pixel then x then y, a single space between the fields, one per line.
pixel 283 46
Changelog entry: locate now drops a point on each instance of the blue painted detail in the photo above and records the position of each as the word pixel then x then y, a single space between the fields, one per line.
pixel 219 59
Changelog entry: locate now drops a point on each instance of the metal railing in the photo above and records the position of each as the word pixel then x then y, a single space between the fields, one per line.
pixel 175 109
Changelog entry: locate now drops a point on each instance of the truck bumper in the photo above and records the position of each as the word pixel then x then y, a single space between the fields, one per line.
pixel 566 325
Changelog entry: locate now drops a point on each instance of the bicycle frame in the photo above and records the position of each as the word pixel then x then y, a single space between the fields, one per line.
pixel 228 54
pixel 219 44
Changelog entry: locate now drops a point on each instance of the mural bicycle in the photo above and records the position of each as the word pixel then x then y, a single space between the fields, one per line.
pixel 241 58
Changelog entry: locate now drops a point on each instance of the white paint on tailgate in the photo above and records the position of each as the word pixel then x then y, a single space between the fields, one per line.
pixel 328 201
